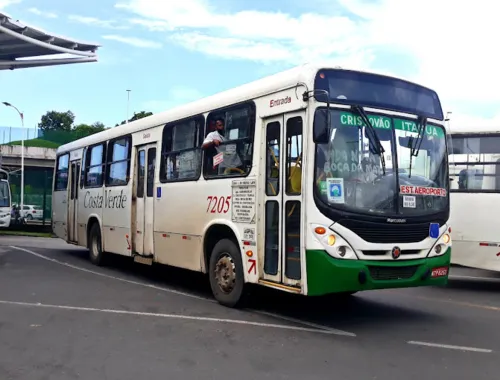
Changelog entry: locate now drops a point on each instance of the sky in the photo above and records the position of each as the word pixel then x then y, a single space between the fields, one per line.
pixel 176 51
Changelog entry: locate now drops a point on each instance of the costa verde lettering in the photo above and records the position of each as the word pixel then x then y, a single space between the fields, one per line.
pixel 382 122
pixel 108 200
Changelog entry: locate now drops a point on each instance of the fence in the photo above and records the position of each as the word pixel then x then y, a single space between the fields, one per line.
pixel 37 181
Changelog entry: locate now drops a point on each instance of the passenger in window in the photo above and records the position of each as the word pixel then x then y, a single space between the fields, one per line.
pixel 216 137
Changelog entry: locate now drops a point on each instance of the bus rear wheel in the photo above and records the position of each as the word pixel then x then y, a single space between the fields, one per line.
pixel 97 256
pixel 226 274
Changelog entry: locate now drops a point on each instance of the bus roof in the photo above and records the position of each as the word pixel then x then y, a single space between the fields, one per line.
pixel 261 87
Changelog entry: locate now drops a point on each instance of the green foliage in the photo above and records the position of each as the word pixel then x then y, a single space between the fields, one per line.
pixel 136 116
pixel 37 143
pixel 58 128
pixel 54 120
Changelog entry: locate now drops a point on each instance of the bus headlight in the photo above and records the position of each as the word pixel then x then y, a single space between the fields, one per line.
pixel 334 244
pixel 441 246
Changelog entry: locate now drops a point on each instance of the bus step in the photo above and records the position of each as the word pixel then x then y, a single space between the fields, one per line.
pixel 143 260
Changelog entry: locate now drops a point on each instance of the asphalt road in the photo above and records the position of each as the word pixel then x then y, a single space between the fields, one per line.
pixel 62 318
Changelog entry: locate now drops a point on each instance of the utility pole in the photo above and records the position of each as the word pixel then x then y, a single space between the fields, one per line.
pixel 128 105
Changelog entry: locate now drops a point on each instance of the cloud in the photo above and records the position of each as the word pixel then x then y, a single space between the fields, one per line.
pixel 177 95
pixel 451 49
pixel 5 3
pixel 38 12
pixel 465 120
pixel 93 21
pixel 134 41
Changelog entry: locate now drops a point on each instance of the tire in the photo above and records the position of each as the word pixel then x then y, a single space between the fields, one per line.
pixel 226 260
pixel 30 217
pixel 97 256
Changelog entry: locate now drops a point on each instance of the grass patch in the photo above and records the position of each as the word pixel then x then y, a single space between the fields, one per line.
pixel 36 143
pixel 26 233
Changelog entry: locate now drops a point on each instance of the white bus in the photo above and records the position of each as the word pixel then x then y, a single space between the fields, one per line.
pixel 475 196
pixel 302 195
pixel 5 199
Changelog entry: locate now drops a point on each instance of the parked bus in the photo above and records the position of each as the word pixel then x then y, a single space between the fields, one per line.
pixel 475 196
pixel 5 199
pixel 325 181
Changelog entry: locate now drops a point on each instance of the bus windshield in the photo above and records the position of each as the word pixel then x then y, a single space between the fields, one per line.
pixel 4 194
pixel 349 172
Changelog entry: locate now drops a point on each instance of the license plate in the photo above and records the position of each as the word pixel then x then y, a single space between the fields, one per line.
pixel 439 272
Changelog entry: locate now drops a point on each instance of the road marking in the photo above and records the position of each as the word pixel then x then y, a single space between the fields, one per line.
pixel 168 290
pixel 459 303
pixel 112 277
pixel 451 347
pixel 440 300
pixel 170 316
pixel 305 323
pixel 461 277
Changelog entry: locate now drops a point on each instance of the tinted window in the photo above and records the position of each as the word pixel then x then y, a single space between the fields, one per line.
pixel 352 87
pixel 475 163
pixel 181 158
pixel 118 162
pixel 62 170
pixel 233 156
pixel 95 166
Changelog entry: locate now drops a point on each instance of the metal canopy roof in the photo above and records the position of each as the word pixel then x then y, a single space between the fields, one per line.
pixel 22 46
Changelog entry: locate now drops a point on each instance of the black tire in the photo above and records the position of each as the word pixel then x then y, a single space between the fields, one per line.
pixel 30 217
pixel 226 258
pixel 97 256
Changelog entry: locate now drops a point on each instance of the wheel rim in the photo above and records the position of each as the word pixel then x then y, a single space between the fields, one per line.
pixel 225 273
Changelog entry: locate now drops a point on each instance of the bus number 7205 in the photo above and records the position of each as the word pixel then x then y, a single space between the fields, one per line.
pixel 218 205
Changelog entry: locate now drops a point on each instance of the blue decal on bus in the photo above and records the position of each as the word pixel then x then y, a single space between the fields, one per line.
pixel 158 192
pixel 434 230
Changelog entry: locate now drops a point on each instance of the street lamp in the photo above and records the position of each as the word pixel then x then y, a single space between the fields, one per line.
pixel 21 115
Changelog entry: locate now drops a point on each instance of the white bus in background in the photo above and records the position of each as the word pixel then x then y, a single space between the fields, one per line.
pixel 5 199
pixel 475 196
pixel 328 181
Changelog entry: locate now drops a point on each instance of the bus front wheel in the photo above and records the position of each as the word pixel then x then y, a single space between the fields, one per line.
pixel 95 245
pixel 226 274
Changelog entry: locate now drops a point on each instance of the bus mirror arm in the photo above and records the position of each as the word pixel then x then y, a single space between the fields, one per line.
pixel 307 95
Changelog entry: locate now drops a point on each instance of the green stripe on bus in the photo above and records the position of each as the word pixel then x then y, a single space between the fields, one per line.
pixel 326 274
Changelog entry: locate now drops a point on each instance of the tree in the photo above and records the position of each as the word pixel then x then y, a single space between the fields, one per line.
pixel 57 121
pixel 136 116
pixel 83 130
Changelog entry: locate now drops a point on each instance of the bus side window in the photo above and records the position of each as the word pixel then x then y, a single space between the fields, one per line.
pixel 181 158
pixel 118 162
pixel 62 170
pixel 233 157
pixel 95 165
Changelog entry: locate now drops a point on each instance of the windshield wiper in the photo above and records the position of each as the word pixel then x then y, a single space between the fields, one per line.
pixel 372 135
pixel 415 147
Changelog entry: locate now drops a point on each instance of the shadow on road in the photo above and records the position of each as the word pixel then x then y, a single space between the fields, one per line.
pixel 356 311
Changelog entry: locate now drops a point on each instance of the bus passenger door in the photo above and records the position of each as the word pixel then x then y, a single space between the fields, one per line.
pixel 74 184
pixel 144 204
pixel 283 199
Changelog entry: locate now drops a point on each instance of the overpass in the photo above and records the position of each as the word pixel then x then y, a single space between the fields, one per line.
pixel 10 157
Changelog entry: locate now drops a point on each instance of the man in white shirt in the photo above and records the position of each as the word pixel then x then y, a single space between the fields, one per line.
pixel 216 137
